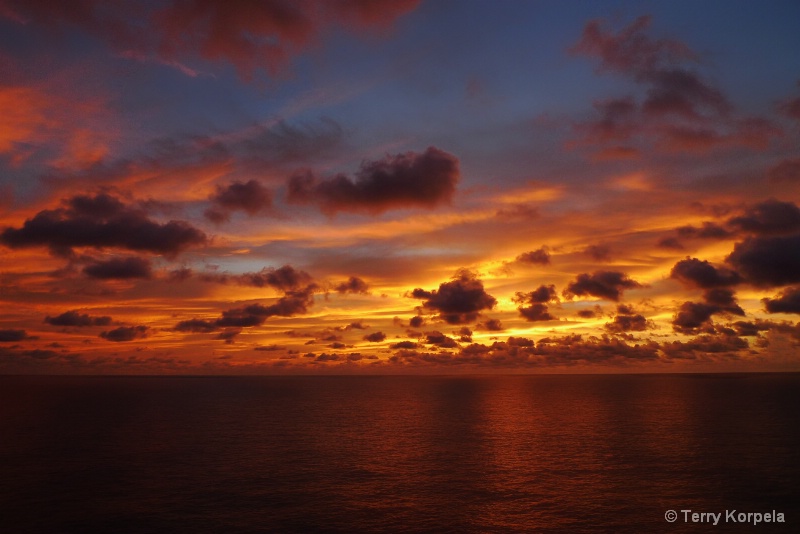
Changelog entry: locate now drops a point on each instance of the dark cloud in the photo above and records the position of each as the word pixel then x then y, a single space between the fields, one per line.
pixel 598 252
pixel 700 273
pixel 771 217
pixel 704 344
pixel 405 180
pixel 768 261
pixel 196 325
pixel 101 222
pixel 403 345
pixel 536 312
pixel 670 243
pixel 724 299
pixel 787 301
pixel 73 318
pixel 10 335
pixel 693 316
pixel 352 285
pixel 119 268
pixel 125 333
pixel 540 256
pixel 283 278
pixel 533 305
pixel 251 197
pixel 416 321
pixel 228 335
pixel 293 302
pixel 375 337
pixel 627 320
pixel 492 325
pixel 607 285
pixel 708 230
pixel 440 340
pixel 459 301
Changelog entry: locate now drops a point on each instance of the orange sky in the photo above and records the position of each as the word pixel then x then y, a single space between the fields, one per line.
pixel 398 187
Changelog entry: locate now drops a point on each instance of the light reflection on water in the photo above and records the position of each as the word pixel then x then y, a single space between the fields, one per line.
pixel 395 454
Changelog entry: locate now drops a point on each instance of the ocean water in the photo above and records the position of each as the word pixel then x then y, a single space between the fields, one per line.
pixel 398 454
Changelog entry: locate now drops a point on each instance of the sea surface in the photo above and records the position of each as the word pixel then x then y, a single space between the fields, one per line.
pixel 438 454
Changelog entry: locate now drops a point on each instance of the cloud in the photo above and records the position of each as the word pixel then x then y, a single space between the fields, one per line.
pixel 10 335
pixel 119 268
pixel 252 36
pixel 700 273
pixel 787 301
pixel 492 325
pixel 536 300
pixel 352 285
pixel 102 222
pixel 250 197
pixel 459 301
pixel 704 344
pixel 265 35
pixel 125 333
pixel 73 318
pixel 375 337
pixel 440 340
pixel 402 181
pixel 627 320
pixel 708 230
pixel 678 110
pixel 598 252
pixel 607 285
pixel 293 302
pixel 283 278
pixel 771 217
pixel 540 256
pixel 695 317
pixel 768 261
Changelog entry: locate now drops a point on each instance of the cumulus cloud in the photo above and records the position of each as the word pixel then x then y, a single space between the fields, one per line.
pixel 787 301
pixel 771 217
pixel 125 333
pixel 608 285
pixel 708 230
pixel 11 334
pixel 293 302
pixel 533 305
pixel 73 318
pixel 101 222
pixel 627 320
pixel 540 256
pixel 119 268
pixel 250 197
pixel 768 261
pixel 283 278
pixel 700 273
pixel 375 337
pixel 459 301
pixel 402 181
pixel 352 285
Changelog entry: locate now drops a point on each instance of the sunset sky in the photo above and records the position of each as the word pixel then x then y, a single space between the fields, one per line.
pixel 399 186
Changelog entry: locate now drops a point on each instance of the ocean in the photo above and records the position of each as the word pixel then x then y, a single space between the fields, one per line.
pixel 461 454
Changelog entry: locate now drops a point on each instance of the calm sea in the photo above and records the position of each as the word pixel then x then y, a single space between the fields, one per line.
pixel 398 454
